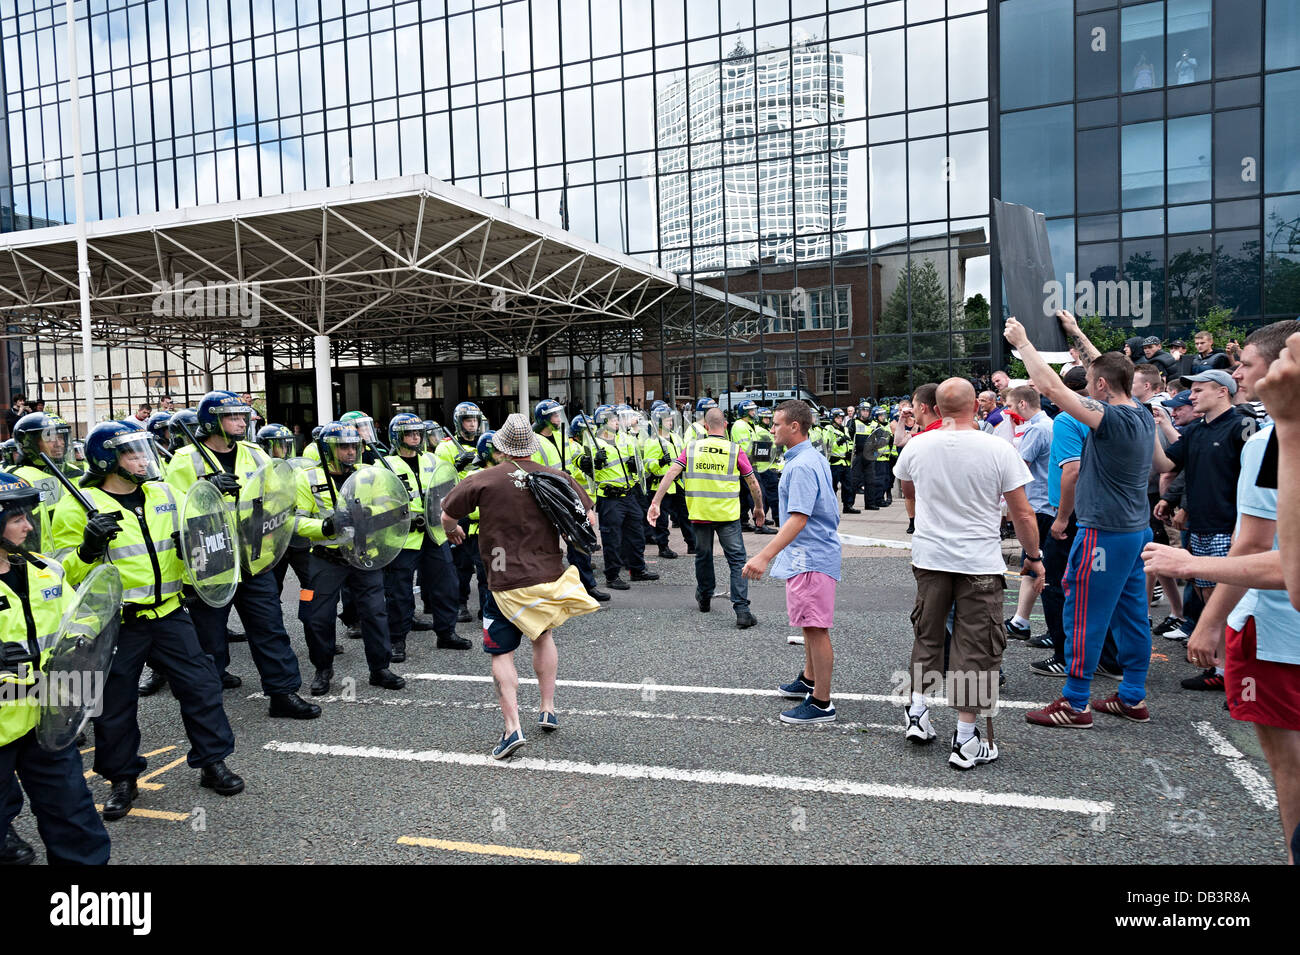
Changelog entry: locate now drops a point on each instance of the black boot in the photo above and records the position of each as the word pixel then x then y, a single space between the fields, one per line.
pixel 118 803
pixel 399 651
pixel 600 595
pixel 462 615
pixel 744 619
pixel 667 554
pixel 421 622
pixel 450 641
pixel 220 779
pixel 386 679
pixel 16 851
pixel 229 681
pixel 320 684
pixel 151 681
pixel 293 706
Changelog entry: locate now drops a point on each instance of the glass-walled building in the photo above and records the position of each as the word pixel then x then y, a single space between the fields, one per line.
pixel 1162 141
pixel 827 158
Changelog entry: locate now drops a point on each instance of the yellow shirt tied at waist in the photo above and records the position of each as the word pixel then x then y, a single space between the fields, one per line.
pixel 536 609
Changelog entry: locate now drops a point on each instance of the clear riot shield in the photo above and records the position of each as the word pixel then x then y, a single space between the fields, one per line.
pixel 761 451
pixel 78 666
pixel 265 512
pixel 210 544
pixel 373 517
pixel 444 479
pixel 302 464
pixel 636 431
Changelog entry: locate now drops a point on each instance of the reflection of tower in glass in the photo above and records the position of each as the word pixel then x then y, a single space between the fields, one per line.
pixel 768 173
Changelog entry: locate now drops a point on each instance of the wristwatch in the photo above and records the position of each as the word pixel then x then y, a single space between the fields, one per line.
pixel 1034 560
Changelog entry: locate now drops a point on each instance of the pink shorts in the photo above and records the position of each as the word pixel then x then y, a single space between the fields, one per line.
pixel 810 600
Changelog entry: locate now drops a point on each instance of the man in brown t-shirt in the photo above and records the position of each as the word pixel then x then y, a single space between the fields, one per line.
pixel 521 549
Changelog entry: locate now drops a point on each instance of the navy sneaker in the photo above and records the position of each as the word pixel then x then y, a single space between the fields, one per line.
pixel 809 712
pixel 1015 631
pixel 547 721
pixel 797 688
pixel 1041 642
pixel 508 744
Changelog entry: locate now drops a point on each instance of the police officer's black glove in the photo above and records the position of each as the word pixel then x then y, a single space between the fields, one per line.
pixel 100 529
pixel 418 523
pixel 223 482
pixel 464 460
pixel 601 458
pixel 631 467
pixel 327 527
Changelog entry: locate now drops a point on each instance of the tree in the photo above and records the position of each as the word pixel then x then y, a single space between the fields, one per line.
pixel 929 311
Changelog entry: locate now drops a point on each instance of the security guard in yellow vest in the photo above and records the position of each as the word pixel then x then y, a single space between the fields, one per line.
pixel 33 598
pixel 420 470
pixel 39 433
pixel 328 570
pixel 222 426
pixel 661 449
pixel 609 458
pixel 136 527
pixel 713 468
pixel 461 451
pixel 557 451
pixel 764 455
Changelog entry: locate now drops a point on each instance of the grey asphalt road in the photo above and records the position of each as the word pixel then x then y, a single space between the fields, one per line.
pixel 669 750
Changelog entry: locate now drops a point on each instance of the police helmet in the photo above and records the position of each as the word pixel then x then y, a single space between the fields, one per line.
pixel 542 414
pixel 315 432
pixel 704 404
pixel 187 417
pixel 273 438
pixel 159 425
pixel 764 413
pixel 464 411
pixel 483 447
pixel 37 433
pixel 364 424
pixel 19 499
pixel 340 447
pixel 579 426
pixel 402 424
pixel 123 448
pixel 434 433
pixel 215 408
pixel 8 453
pixel 745 407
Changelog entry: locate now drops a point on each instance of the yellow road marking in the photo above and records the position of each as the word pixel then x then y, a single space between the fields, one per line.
pixel 153 814
pixel 88 749
pixel 143 781
pixel 547 855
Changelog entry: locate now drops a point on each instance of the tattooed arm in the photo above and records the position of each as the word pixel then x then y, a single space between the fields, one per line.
pixel 1087 410
pixel 1087 350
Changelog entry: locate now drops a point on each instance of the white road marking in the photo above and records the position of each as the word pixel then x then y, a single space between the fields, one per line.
pixel 847 787
pixel 711 690
pixel 874 542
pixel 1257 787
pixel 844 725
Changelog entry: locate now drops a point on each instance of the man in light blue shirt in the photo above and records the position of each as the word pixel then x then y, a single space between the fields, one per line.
pixel 1034 437
pixel 805 554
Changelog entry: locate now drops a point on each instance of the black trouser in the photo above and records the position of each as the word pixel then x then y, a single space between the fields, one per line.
pixel 1056 555
pixel 770 482
pixel 65 811
pixel 317 614
pixel 399 592
pixel 258 601
pixel 839 474
pixel 622 534
pixel 469 565
pixel 652 534
pixel 861 478
pixel 173 648
pixel 884 482
pixel 674 506
pixel 295 557
pixel 439 586
pixel 746 505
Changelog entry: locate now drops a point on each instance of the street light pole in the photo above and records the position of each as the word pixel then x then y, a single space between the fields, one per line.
pixel 79 191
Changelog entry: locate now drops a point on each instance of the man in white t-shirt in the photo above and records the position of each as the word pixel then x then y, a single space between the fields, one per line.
pixel 957 475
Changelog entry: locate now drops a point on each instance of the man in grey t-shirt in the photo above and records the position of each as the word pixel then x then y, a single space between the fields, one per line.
pixel 1105 583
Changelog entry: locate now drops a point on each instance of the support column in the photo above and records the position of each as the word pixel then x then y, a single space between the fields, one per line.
pixel 521 367
pixel 324 388
pixel 83 261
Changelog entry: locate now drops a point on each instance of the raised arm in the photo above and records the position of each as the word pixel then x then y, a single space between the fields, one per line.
pixel 1048 382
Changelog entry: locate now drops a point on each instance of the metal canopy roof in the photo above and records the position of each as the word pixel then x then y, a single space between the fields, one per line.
pixel 376 261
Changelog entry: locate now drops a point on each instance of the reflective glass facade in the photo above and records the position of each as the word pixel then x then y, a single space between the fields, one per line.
pixel 1161 140
pixel 817 155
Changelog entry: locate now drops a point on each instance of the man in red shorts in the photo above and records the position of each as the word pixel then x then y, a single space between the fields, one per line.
pixel 1249 626
pixel 806 554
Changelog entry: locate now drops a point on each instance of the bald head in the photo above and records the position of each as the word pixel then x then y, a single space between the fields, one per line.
pixel 715 422
pixel 956 399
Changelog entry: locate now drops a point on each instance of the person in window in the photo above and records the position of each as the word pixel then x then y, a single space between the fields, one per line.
pixel 1144 74
pixel 1185 68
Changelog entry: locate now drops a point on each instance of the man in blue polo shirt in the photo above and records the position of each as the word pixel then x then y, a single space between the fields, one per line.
pixel 805 554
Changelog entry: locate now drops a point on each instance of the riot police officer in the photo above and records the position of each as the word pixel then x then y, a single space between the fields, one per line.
pixel 461 451
pixel 158 425
pixel 742 435
pixel 33 598
pixel 186 418
pixel 764 456
pixel 328 570
pixel 662 448
pixel 276 440
pixel 610 462
pixel 223 424
pixel 42 436
pixel 883 435
pixel 697 429
pixel 840 449
pixel 420 470
pixel 557 451
pixel 862 474
pixel 136 526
